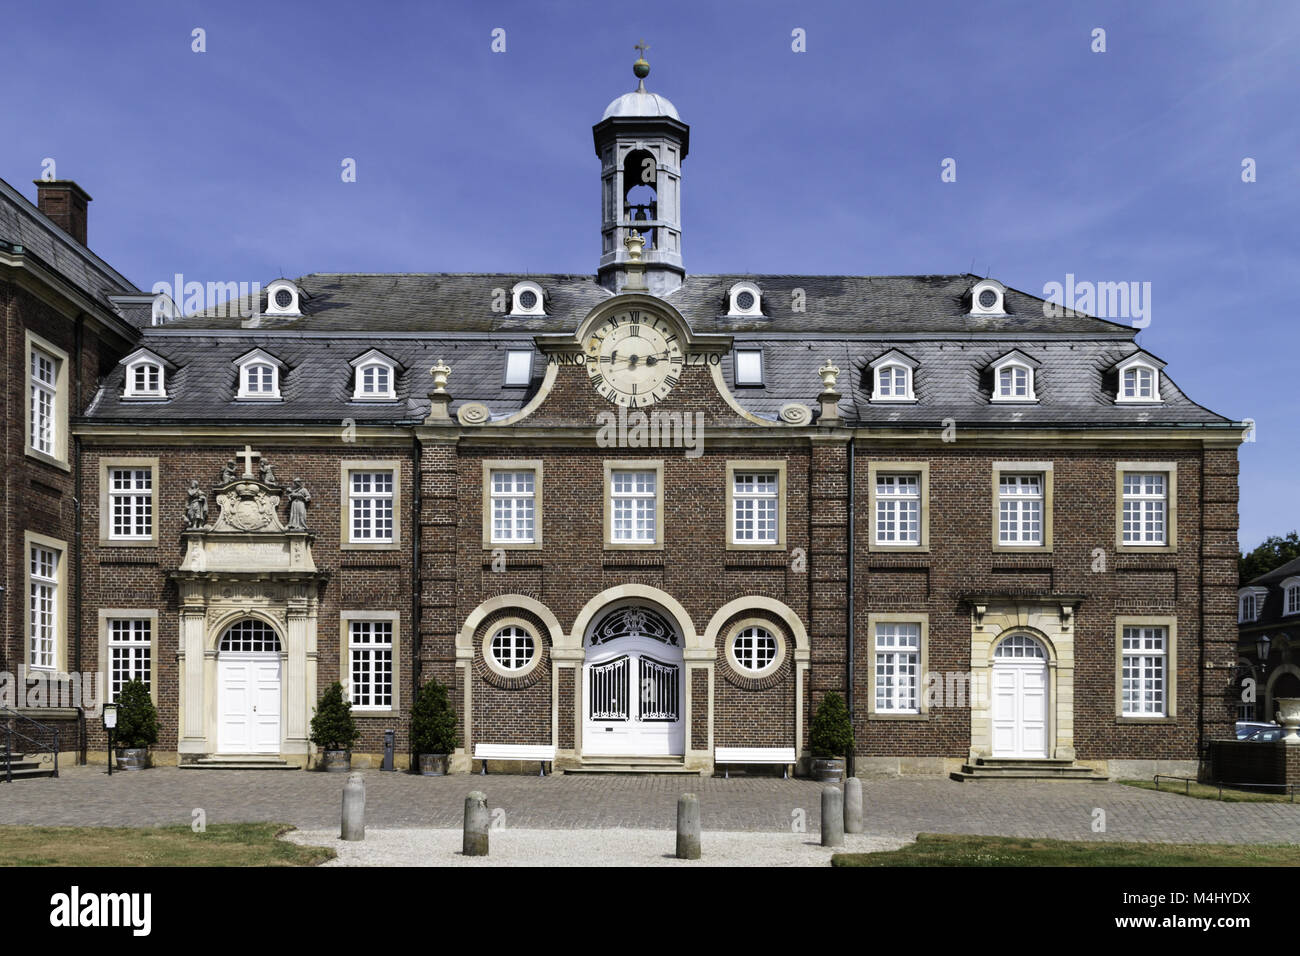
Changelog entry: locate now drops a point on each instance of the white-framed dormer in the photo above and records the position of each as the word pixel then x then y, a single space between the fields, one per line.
pixel 744 300
pixel 1138 380
pixel 283 298
pixel 145 375
pixel 259 376
pixel 1291 596
pixel 892 377
pixel 1250 603
pixel 527 298
pixel 1014 378
pixel 374 378
pixel 988 297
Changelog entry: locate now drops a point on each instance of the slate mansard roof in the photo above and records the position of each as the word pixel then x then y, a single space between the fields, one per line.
pixel 416 319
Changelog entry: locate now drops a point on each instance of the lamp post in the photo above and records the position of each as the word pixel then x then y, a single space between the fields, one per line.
pixel 1262 645
pixel 110 721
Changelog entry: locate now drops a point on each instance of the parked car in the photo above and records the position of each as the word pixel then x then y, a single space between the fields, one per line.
pixel 1247 727
pixel 1265 735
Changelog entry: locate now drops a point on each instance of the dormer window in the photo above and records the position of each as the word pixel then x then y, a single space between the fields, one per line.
pixel 259 376
pixel 526 299
pixel 1250 603
pixel 1291 596
pixel 375 379
pixel 1138 381
pixel 1013 379
pixel 146 375
pixel 892 377
pixel 988 297
pixel 743 300
pixel 282 298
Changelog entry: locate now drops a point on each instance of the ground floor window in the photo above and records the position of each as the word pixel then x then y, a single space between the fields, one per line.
pixel 371 644
pixel 1144 672
pixel 130 654
pixel 898 667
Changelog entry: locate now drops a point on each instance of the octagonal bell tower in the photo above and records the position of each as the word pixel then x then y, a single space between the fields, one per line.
pixel 641 142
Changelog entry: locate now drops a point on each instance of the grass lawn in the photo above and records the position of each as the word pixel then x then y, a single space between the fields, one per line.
pixel 945 849
pixel 224 844
pixel 1205 791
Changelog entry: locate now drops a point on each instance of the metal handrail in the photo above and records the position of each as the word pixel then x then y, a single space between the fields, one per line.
pixel 1289 788
pixel 10 715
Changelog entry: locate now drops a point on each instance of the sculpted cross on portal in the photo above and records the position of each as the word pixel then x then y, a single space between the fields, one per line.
pixel 248 455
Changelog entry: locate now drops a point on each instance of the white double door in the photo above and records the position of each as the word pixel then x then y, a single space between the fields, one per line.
pixel 248 697
pixel 1020 708
pixel 633 699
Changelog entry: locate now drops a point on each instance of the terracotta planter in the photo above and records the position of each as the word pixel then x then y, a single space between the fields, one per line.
pixel 336 761
pixel 828 770
pixel 132 758
pixel 1288 715
pixel 433 765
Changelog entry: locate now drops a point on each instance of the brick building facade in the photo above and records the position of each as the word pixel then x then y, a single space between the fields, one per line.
pixel 645 517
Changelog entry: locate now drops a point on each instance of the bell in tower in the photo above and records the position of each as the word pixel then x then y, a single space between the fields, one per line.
pixel 641 143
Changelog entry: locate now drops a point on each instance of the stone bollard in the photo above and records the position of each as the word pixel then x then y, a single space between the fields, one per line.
pixel 853 805
pixel 477 819
pixel 832 817
pixel 354 808
pixel 688 827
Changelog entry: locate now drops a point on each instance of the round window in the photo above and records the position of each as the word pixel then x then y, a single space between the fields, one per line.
pixel 754 648
pixel 988 298
pixel 512 648
pixel 283 298
pixel 744 301
pixel 527 299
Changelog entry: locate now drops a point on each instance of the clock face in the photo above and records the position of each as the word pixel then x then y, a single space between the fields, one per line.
pixel 634 358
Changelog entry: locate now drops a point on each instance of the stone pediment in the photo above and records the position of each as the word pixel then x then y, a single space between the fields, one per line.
pixel 248 507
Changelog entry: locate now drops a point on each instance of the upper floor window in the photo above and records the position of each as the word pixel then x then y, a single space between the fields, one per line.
pixel 1145 508
pixel 370 507
pixel 755 507
pixel 898 509
pixel 1246 610
pixel 633 501
pixel 1291 596
pixel 376 378
pixel 130 502
pixel 259 376
pixel 513 502
pixel 44 395
pixel 1020 510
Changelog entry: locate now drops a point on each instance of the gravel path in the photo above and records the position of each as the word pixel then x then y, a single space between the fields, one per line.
pixel 618 847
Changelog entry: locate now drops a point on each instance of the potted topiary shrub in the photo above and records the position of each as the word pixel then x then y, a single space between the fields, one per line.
pixel 830 738
pixel 433 729
pixel 137 726
pixel 334 730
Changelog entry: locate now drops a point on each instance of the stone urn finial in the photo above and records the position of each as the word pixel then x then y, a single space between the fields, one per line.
pixel 1288 715
pixel 440 372
pixel 830 373
pixel 635 242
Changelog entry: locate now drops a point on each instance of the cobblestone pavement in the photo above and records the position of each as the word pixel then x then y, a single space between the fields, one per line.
pixel 86 796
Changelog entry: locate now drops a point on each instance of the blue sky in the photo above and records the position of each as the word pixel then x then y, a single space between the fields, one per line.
pixel 1116 166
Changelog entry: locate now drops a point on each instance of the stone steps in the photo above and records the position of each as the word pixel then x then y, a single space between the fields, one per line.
pixel 239 763
pixel 21 767
pixel 1013 768
pixel 667 766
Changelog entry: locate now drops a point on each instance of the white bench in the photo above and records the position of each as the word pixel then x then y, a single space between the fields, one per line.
pixel 730 755
pixel 542 753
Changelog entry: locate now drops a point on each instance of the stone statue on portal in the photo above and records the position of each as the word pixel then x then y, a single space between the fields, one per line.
pixel 298 498
pixel 196 509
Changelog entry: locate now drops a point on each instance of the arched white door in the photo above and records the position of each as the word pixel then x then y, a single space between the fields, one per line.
pixel 248 689
pixel 1020 698
pixel 633 695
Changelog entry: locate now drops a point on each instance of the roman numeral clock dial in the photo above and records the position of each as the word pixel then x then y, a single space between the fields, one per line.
pixel 634 358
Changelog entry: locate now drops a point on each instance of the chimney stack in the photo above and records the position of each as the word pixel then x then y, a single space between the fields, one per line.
pixel 65 203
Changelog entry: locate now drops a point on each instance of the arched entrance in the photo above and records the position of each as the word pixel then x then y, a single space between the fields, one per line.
pixel 1019 718
pixel 248 689
pixel 632 688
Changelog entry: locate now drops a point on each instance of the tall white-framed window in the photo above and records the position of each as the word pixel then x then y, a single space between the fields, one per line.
pixel 130 502
pixel 370 507
pixel 1014 383
pixel 130 654
pixel 513 499
pixel 1145 508
pixel 1020 510
pixel 370 648
pixel 893 383
pixel 897 667
pixel 1144 672
pixel 755 507
pixel 898 509
pixel 43 401
pixel 633 504
pixel 1246 609
pixel 43 608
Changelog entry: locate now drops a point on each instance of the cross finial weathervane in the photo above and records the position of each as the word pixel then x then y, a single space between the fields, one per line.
pixel 642 46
